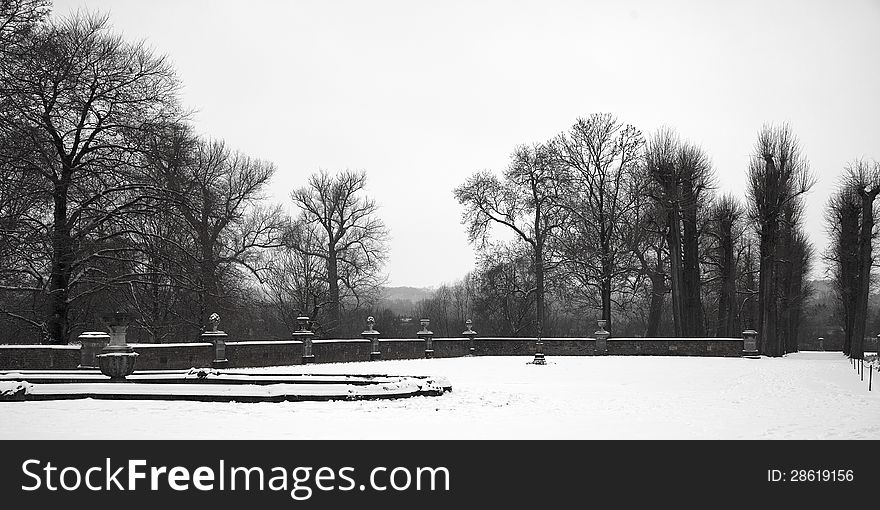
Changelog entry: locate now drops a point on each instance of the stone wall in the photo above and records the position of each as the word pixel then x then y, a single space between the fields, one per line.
pixel 30 357
pixel 173 356
pixel 340 351
pixel 263 354
pixel 675 346
pixel 290 352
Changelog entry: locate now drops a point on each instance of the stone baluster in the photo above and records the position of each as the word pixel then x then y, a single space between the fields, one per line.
pixel 92 342
pixel 427 336
pixel 750 343
pixel 601 338
pixel 305 335
pixel 218 339
pixel 373 336
pixel 470 334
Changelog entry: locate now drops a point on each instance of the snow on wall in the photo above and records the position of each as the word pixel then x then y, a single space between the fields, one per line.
pixel 282 353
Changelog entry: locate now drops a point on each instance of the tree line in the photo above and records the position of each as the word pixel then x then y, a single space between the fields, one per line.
pixel 111 199
pixel 630 229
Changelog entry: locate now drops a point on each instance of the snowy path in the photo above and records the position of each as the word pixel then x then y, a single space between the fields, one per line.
pixel 807 395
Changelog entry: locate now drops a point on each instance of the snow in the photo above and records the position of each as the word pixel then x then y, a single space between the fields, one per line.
pixel 41 346
pixel 14 388
pixel 809 395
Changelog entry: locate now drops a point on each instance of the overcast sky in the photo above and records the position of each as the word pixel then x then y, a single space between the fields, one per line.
pixel 422 94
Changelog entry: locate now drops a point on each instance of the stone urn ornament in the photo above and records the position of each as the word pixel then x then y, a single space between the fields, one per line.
pixel 427 336
pixel 470 334
pixel 373 336
pixel 117 360
pixel 214 322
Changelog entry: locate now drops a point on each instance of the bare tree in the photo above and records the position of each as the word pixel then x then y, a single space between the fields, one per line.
pixel 842 257
pixel 778 175
pixel 504 294
pixel 18 20
pixel 352 237
pixel 602 160
pixel 794 260
pixel 76 98
pixel 526 203
pixel 216 192
pixel 864 178
pixel 296 281
pixel 682 175
pixel 726 230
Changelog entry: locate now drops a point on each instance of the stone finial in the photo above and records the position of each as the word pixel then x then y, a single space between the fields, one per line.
pixel 214 321
pixel 302 322
pixel 425 323
pixel 370 323
pixel 117 318
pixel 470 334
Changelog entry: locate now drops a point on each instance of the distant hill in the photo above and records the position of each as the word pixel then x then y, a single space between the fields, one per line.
pixel 411 294
pixel 401 300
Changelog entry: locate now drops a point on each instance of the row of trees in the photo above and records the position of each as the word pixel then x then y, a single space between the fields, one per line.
pixel 851 219
pixel 109 199
pixel 612 223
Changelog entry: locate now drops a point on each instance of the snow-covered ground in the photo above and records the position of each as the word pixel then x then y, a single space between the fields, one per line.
pixel 809 395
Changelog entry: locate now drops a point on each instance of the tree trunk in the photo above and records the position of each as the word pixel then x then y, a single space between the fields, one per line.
pixel 861 299
pixel 154 309
pixel 333 314
pixel 785 304
pixel 675 269
pixel 539 289
pixel 658 297
pixel 767 340
pixel 848 274
pixel 606 285
pixel 727 294
pixel 58 323
pixel 692 307
pixel 209 293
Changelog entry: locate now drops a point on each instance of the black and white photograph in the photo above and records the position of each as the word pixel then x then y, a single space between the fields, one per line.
pixel 392 223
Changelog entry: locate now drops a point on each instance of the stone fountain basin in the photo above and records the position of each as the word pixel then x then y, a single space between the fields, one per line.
pixel 210 385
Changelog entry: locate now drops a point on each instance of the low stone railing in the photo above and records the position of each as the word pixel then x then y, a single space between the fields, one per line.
pixel 217 350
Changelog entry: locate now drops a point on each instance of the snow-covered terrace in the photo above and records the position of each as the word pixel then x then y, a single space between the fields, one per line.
pixel 808 395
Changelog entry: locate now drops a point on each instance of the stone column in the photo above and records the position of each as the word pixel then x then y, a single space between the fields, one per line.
pixel 305 335
pixel 218 339
pixel 373 336
pixel 93 342
pixel 750 344
pixel 601 338
pixel 427 336
pixel 470 334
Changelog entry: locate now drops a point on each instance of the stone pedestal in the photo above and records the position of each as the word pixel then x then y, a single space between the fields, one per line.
pixel 750 344
pixel 93 342
pixel 470 334
pixel 428 337
pixel 373 336
pixel 305 335
pixel 117 359
pixel 218 340
pixel 602 338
